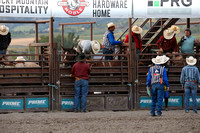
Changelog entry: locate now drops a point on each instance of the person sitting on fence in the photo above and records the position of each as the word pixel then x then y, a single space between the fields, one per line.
pixel 167 43
pixel 109 41
pixel 187 42
pixel 80 71
pixel 88 47
pixel 5 39
pixel 156 75
pixel 189 79
pixel 136 37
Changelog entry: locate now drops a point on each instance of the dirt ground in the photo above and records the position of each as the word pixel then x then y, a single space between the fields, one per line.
pixel 100 122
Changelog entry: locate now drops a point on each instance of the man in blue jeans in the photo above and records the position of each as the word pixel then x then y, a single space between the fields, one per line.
pixel 109 41
pixel 80 71
pixel 190 78
pixel 156 78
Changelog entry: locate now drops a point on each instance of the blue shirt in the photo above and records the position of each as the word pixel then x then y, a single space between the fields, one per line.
pixel 165 79
pixel 111 39
pixel 187 46
pixel 189 73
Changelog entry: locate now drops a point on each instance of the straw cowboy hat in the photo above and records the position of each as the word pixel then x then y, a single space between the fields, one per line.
pixel 168 34
pixel 176 29
pixel 4 30
pixel 20 58
pixel 165 59
pixel 191 60
pixel 136 29
pixel 158 60
pixel 111 24
pixel 95 46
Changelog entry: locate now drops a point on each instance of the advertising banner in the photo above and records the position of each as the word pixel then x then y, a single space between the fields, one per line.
pixel 25 8
pixel 92 8
pixel 37 102
pixel 198 101
pixel 68 103
pixel 11 104
pixel 166 9
pixel 173 101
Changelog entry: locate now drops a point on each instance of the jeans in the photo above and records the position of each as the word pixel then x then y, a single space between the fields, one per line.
pixel 107 51
pixel 190 86
pixel 157 91
pixel 81 86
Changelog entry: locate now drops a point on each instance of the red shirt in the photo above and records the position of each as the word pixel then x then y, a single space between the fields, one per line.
pixel 167 45
pixel 136 38
pixel 81 70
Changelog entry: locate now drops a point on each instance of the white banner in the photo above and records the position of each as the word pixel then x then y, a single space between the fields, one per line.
pixel 25 8
pixel 92 8
pixel 166 9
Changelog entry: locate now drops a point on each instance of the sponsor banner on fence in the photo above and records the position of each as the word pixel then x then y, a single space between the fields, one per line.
pixel 25 8
pixel 166 8
pixel 11 104
pixel 37 102
pixel 173 101
pixel 92 8
pixel 68 103
pixel 198 101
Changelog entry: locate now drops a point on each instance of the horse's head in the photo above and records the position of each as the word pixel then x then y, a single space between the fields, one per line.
pixel 69 51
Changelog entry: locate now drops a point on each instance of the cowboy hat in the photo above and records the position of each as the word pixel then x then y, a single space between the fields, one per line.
pixel 158 60
pixel 168 34
pixel 20 58
pixel 136 29
pixel 95 46
pixel 191 60
pixel 176 29
pixel 111 24
pixel 165 59
pixel 4 30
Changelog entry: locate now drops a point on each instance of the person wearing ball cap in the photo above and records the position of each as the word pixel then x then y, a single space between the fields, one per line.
pixel 156 78
pixel 167 43
pixel 190 78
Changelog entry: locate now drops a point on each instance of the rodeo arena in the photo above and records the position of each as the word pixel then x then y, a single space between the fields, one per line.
pixel 139 81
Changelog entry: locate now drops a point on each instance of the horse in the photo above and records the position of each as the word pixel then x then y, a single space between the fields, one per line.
pixel 68 59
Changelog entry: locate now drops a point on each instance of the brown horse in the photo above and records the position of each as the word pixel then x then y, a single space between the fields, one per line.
pixel 70 56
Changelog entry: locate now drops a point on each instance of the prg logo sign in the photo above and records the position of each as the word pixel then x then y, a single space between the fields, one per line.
pixel 172 3
pixel 73 7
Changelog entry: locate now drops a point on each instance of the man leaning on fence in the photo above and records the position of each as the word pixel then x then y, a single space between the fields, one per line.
pixel 109 41
pixel 80 71
pixel 156 78
pixel 190 79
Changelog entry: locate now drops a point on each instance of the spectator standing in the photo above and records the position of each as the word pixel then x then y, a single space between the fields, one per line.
pixel 80 71
pixel 5 39
pixel 190 78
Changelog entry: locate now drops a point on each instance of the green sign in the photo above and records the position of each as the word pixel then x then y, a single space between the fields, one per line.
pixel 37 102
pixel 173 101
pixel 68 103
pixel 11 104
pixel 198 101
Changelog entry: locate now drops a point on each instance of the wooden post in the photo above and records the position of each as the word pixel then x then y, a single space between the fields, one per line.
pixel 91 32
pixel 150 21
pixel 62 37
pixel 36 41
pixel 188 22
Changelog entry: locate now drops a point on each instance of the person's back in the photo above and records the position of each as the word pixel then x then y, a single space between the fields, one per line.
pixel 81 70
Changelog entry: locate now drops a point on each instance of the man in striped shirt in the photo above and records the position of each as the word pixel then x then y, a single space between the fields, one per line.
pixel 190 78
pixel 156 78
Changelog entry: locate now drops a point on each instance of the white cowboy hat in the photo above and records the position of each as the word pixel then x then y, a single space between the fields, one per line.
pixel 4 30
pixel 175 28
pixel 168 34
pixel 165 59
pixel 136 29
pixel 191 60
pixel 95 46
pixel 158 60
pixel 111 24
pixel 20 58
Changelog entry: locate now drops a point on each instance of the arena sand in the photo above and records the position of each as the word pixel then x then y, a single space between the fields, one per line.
pixel 100 122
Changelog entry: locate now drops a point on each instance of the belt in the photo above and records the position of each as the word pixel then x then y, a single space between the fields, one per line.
pixel 77 78
pixel 191 81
